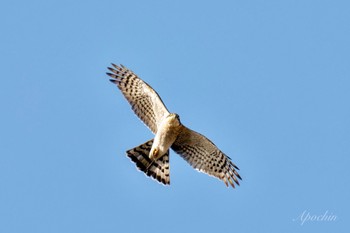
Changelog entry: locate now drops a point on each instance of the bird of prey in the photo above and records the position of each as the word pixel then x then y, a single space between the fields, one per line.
pixel 152 157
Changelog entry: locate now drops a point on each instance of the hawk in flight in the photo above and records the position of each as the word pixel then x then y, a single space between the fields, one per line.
pixel 152 157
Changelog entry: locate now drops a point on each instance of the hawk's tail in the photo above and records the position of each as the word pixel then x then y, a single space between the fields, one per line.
pixel 158 169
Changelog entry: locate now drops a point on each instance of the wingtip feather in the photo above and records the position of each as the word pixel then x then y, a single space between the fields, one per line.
pixel 113 80
pixel 111 69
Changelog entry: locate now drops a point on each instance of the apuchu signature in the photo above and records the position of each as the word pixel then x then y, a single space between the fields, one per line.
pixel 307 216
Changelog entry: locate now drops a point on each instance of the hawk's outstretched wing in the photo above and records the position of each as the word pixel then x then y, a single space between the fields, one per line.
pixel 204 156
pixel 145 101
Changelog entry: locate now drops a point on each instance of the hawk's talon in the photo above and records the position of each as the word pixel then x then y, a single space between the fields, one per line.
pixel 154 154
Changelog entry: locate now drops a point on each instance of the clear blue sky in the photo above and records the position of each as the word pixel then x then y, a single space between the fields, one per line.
pixel 267 81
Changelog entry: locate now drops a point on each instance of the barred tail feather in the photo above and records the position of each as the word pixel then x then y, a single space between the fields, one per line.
pixel 158 169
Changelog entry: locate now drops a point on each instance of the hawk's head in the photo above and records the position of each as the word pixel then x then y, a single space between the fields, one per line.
pixel 174 119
